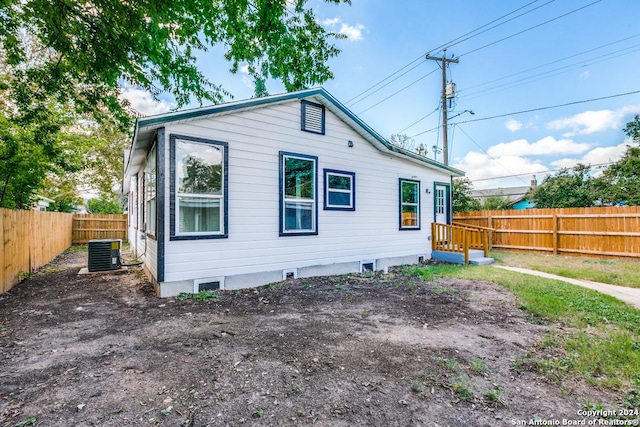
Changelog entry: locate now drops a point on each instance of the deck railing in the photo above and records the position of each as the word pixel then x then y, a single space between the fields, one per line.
pixel 459 239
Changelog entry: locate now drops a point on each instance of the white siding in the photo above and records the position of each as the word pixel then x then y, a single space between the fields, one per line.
pixel 255 138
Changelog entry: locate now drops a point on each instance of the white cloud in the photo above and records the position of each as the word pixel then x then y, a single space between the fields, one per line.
pixel 590 122
pixel 481 166
pixel 545 146
pixel 353 32
pixel 513 125
pixel 142 101
pixel 330 22
pixel 585 75
pixel 596 156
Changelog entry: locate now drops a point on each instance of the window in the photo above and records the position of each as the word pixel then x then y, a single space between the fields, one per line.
pixel 133 204
pixel 199 181
pixel 312 117
pixel 409 204
pixel 141 225
pixel 298 188
pixel 339 190
pixel 150 193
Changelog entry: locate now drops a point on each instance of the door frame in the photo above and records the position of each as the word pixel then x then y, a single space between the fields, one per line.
pixel 447 200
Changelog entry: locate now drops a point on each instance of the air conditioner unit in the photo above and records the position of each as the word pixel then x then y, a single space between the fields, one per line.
pixel 104 254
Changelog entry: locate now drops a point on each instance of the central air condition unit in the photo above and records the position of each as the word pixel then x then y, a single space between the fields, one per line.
pixel 104 254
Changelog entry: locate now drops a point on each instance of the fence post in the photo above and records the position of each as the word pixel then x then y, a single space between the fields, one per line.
pixel 555 234
pixel 490 225
pixel 465 244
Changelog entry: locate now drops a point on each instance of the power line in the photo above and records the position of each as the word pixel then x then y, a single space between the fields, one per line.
pixel 530 28
pixel 439 48
pixel 485 152
pixel 550 73
pixel 550 107
pixel 419 120
pixel 495 26
pixel 385 85
pixel 534 109
pixel 398 91
pixel 539 172
pixel 549 63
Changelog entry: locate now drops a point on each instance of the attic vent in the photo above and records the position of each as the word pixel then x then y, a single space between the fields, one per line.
pixel 312 117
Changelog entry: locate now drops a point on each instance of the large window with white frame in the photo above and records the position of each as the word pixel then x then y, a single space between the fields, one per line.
pixel 409 204
pixel 298 194
pixel 339 190
pixel 150 192
pixel 199 188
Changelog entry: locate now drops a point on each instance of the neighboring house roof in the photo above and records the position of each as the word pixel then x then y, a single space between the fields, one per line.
pixel 145 127
pixel 514 194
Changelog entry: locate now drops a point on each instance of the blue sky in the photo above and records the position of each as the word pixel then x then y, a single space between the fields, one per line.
pixel 557 52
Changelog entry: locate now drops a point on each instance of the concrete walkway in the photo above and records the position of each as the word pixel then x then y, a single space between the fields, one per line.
pixel 629 295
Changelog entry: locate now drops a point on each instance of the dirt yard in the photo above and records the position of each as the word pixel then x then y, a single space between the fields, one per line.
pixel 356 350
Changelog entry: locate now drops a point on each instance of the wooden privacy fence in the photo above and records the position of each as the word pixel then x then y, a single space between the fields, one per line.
pixel 29 240
pixel 99 226
pixel 604 231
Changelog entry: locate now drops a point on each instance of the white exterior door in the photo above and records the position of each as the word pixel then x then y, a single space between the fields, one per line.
pixel 440 204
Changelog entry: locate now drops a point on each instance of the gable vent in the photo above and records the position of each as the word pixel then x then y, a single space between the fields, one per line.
pixel 312 117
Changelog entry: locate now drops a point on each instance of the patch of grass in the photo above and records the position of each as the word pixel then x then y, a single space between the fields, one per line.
pixel 77 248
pixel 417 387
pixel 200 296
pixel 601 345
pixel 257 413
pixel 431 273
pixel 28 422
pixel 612 271
pixel 462 386
pixel 478 366
pixel 450 364
pixel 494 394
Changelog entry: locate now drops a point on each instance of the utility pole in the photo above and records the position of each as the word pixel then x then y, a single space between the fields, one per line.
pixel 445 61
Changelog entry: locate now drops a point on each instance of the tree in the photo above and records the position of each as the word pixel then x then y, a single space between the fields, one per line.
pixel 462 201
pixel 404 141
pixel 620 182
pixel 94 46
pixel 106 204
pixel 633 129
pixel 567 188
pixel 496 203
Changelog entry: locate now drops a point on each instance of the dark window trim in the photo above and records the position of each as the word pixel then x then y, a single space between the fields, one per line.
pixel 303 117
pixel 447 201
pixel 401 227
pixel 281 191
pixel 326 173
pixel 172 187
pixel 149 235
pixel 161 191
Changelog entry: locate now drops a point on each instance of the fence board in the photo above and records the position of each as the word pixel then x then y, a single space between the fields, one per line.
pixel 29 240
pixel 602 231
pixel 87 227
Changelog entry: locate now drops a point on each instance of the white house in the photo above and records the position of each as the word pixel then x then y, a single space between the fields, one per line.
pixel 293 185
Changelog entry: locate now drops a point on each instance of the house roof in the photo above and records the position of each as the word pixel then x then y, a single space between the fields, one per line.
pixel 514 194
pixel 146 127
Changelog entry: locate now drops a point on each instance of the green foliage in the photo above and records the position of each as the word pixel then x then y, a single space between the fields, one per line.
pixel 620 182
pixel 105 205
pixel 94 47
pixel 200 296
pixel 567 188
pixel 633 129
pixel 496 203
pixel 462 201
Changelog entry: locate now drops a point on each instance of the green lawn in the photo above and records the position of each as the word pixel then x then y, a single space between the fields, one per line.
pixel 600 335
pixel 612 271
